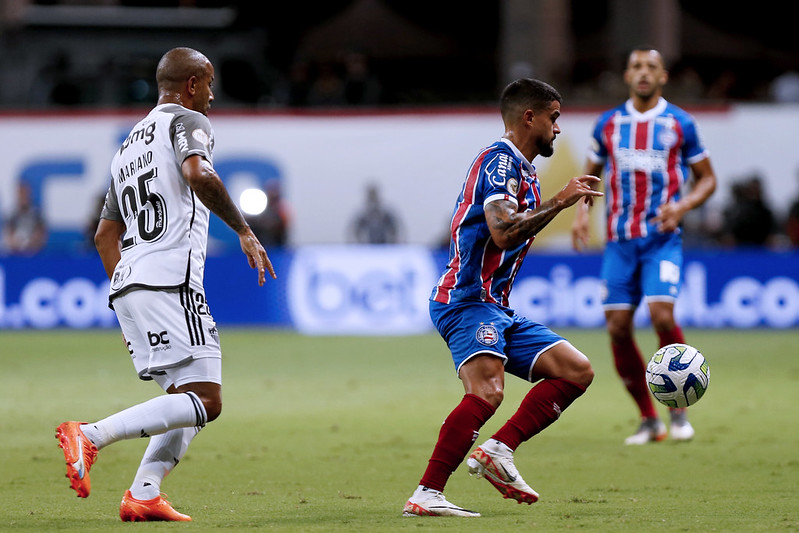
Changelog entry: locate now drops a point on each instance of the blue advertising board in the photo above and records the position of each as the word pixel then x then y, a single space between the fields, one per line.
pixel 360 290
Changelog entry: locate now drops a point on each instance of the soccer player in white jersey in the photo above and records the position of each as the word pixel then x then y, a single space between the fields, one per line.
pixel 152 240
pixel 649 147
pixel 498 213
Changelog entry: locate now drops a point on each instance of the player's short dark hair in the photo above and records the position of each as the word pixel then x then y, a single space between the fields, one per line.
pixel 178 65
pixel 526 93
pixel 644 48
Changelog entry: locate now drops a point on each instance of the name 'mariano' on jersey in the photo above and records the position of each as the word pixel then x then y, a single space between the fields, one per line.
pixel 164 244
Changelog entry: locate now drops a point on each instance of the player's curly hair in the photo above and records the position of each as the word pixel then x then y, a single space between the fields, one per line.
pixel 526 93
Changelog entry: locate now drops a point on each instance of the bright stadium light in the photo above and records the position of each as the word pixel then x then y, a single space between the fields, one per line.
pixel 253 201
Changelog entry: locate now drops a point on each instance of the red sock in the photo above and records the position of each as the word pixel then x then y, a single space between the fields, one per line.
pixel 672 336
pixel 456 437
pixel 542 406
pixel 631 369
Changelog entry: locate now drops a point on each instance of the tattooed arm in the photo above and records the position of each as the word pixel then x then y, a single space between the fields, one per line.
pixel 509 228
pixel 208 187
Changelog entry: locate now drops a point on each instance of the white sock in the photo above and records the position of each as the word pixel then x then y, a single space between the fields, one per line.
pixel 162 455
pixel 152 417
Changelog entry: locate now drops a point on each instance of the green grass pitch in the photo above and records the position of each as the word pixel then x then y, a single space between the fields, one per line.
pixel 333 433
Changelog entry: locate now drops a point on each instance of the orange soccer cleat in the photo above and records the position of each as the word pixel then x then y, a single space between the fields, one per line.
pixel 157 509
pixel 79 453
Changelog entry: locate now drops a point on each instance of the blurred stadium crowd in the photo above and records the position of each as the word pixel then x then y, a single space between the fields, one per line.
pixel 102 53
pixel 58 55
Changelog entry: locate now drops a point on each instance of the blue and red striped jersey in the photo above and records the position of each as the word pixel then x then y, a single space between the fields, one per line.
pixel 478 270
pixel 647 157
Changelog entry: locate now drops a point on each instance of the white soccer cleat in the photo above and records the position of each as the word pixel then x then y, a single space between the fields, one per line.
pixel 650 430
pixel 429 502
pixel 681 429
pixel 494 461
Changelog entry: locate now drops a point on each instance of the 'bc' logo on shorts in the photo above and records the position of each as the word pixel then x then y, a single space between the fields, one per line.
pixel 487 334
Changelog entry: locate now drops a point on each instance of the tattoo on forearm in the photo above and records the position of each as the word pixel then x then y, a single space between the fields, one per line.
pixel 215 197
pixel 518 227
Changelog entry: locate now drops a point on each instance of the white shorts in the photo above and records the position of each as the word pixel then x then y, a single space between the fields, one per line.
pixel 171 335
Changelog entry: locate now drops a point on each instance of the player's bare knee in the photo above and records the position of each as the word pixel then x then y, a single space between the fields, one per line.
pixel 210 394
pixel 619 331
pixel 663 322
pixel 212 403
pixel 583 373
pixel 620 326
pixel 491 393
pixel 213 408
pixel 495 397
pixel 577 369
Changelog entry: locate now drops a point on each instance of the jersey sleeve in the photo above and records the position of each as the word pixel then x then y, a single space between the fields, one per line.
pixel 191 134
pixel 598 152
pixel 110 209
pixel 499 178
pixel 693 148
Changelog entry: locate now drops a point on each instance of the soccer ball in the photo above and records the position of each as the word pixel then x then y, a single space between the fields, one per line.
pixel 678 375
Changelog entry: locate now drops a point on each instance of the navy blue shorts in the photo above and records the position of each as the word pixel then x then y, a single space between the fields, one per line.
pixel 477 328
pixel 646 267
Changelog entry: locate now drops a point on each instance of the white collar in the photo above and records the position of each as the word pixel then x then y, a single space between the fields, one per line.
pixel 528 164
pixel 648 114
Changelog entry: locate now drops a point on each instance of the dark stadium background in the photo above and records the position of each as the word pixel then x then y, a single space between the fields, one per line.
pixel 94 54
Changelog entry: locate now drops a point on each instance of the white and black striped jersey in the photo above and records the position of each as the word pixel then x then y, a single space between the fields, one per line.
pixel 164 244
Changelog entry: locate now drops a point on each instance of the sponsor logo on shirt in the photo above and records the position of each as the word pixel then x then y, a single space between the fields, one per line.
pixel 630 160
pixel 497 169
pixel 180 134
pixel 146 133
pixel 120 275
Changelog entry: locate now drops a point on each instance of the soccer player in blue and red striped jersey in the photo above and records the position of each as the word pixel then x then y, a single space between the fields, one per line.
pixel 496 217
pixel 649 148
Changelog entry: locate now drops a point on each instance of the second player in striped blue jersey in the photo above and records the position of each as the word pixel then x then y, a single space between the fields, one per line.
pixel 648 156
pixel 648 148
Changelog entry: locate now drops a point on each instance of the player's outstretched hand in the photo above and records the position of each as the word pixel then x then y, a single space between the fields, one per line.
pixel 256 256
pixel 579 187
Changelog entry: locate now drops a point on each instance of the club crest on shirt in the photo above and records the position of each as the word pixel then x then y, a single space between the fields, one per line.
pixel 667 138
pixel 487 334
pixel 200 136
pixel 513 186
